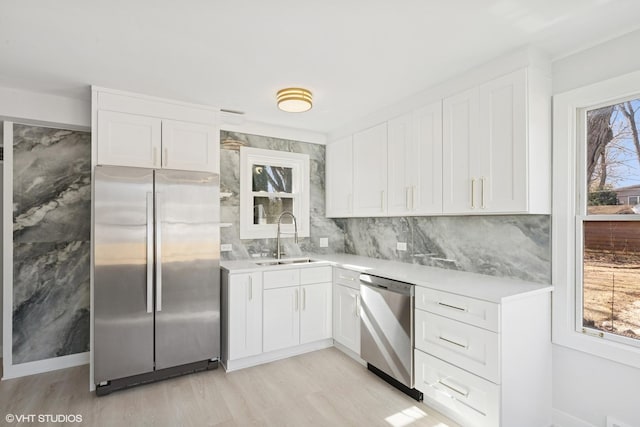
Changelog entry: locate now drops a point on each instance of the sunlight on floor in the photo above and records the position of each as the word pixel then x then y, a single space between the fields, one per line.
pixel 409 416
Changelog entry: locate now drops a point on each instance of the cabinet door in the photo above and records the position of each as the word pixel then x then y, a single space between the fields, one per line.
pixel 245 315
pixel 401 164
pixel 339 180
pixel 128 140
pixel 315 314
pixel 281 318
pixel 503 144
pixel 346 318
pixel 190 146
pixel 459 145
pixel 370 171
pixel 425 155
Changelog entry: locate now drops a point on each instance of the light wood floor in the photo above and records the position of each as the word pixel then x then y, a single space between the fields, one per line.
pixel 323 388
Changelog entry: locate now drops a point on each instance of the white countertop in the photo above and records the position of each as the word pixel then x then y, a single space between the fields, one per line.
pixel 479 286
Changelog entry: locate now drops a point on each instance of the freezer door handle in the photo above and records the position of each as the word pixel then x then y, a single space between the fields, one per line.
pixel 158 252
pixel 149 252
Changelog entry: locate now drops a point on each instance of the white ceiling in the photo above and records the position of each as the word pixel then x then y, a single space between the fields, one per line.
pixel 356 56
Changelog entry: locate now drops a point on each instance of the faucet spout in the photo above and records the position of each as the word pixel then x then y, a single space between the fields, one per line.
pixel 295 227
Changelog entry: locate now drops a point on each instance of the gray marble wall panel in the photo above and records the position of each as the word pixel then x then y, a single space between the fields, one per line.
pixel 230 207
pixel 51 238
pixel 507 246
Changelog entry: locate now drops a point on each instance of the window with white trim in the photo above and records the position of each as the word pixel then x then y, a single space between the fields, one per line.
pixel 273 182
pixel 607 228
pixel 596 227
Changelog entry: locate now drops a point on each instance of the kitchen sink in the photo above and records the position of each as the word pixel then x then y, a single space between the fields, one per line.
pixel 286 261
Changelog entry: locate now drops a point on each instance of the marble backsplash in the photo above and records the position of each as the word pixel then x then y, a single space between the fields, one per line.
pixel 509 245
pixel 51 242
pixel 230 206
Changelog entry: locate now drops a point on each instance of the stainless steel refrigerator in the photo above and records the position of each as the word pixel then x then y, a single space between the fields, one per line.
pixel 156 277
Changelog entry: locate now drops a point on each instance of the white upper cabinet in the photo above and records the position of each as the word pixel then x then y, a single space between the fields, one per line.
pixel 484 150
pixel 190 146
pixel 339 178
pixel 459 152
pixel 415 162
pixel 370 172
pixel 137 130
pixel 129 140
pixel 496 147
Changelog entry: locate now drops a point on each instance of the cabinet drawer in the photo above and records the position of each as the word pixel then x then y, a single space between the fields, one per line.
pixel 468 347
pixel 468 310
pixel 474 399
pixel 281 278
pixel 345 277
pixel 315 275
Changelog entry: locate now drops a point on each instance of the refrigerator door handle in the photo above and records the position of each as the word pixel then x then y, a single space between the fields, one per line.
pixel 149 252
pixel 158 252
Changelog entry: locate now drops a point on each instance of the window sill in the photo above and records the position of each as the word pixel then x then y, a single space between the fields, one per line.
pixel 599 347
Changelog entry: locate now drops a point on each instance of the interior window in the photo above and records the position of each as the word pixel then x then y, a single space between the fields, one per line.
pixel 273 182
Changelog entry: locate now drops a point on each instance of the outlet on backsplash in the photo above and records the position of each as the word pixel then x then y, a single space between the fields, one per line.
pixel 227 247
pixel 401 246
pixel 324 242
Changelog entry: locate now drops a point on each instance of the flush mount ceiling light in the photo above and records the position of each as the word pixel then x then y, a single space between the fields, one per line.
pixel 294 100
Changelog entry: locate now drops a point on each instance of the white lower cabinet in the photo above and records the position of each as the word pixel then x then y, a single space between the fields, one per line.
pixel 315 312
pixel 242 316
pixel 475 399
pixel 481 363
pixel 346 319
pixel 281 318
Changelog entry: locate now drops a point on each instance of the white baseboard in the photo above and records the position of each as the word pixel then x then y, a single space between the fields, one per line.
pixel 46 365
pixel 349 353
pixel 562 419
pixel 233 365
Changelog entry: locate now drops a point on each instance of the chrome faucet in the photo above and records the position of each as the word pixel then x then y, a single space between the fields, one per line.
pixel 295 226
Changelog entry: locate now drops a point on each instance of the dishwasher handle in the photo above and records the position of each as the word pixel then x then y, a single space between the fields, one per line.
pixel 387 284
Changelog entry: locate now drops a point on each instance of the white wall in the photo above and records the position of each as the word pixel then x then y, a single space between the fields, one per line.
pixel 584 386
pixel 1 238
pixel 43 109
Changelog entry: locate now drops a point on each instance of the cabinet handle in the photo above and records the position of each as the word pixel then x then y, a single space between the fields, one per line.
pixel 345 278
pixel 165 156
pixel 408 198
pixel 357 305
pixel 304 298
pixel 155 156
pixel 461 393
pixel 452 306
pixel 482 193
pixel 250 287
pixel 473 193
pixel 453 342
pixel 296 305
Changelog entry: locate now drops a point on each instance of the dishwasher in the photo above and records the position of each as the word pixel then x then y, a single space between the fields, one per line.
pixel 386 331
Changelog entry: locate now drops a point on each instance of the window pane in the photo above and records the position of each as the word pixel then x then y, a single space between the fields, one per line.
pixel 267 210
pixel 611 290
pixel 613 159
pixel 272 179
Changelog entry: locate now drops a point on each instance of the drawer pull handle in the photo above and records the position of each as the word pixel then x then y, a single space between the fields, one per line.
pixel 453 342
pixel 461 393
pixel 453 307
pixel 346 278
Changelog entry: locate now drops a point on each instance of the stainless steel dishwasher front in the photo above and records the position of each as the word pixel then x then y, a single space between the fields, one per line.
pixel 386 322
